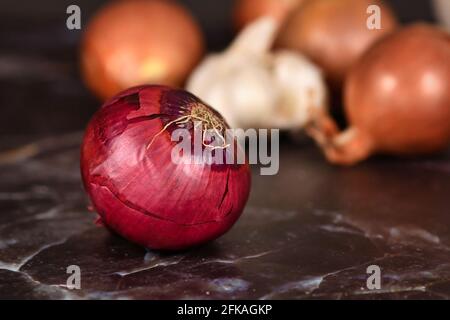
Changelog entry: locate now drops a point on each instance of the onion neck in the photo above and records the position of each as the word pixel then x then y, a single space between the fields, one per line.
pixel 346 147
pixel 349 147
pixel 204 119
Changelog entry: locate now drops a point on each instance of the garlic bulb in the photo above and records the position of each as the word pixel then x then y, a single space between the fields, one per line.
pixel 253 87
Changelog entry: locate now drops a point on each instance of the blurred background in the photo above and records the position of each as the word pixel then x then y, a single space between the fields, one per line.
pixel 388 211
pixel 40 88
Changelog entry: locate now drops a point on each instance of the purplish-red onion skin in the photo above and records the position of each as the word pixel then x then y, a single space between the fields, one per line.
pixel 140 193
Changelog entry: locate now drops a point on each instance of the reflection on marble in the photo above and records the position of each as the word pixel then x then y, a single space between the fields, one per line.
pixel 309 232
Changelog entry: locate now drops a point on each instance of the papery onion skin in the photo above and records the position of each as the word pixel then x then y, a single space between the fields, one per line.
pixel 397 99
pixel 133 42
pixel 246 11
pixel 334 33
pixel 139 192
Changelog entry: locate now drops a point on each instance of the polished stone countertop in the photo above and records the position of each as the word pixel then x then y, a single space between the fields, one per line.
pixel 309 232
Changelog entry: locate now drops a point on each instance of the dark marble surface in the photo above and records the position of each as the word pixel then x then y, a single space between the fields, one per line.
pixel 308 232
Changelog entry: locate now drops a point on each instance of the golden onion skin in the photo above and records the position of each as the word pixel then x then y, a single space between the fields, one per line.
pixel 246 11
pixel 136 42
pixel 334 33
pixel 397 100
pixel 398 93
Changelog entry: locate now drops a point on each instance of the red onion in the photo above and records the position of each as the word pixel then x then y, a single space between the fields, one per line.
pixel 133 42
pixel 397 99
pixel 136 188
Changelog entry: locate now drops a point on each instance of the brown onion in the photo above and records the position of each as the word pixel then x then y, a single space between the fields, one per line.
pixel 246 11
pixel 397 99
pixel 334 33
pixel 135 42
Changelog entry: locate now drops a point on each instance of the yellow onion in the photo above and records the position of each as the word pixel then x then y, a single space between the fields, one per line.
pixel 136 42
pixel 397 99
pixel 334 33
pixel 246 11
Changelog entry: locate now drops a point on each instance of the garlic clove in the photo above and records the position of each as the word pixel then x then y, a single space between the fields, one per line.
pixel 251 96
pixel 301 86
pixel 256 39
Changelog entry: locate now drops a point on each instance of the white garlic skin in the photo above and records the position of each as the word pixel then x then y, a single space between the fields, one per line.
pixel 253 87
